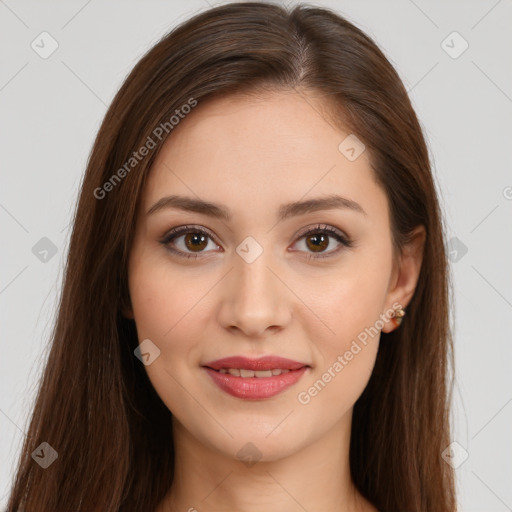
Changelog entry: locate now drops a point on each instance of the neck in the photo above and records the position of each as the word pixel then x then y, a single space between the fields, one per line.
pixel 316 477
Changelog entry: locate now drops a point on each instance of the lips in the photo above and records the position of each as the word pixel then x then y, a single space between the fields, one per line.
pixel 255 388
pixel 266 383
pixel 261 364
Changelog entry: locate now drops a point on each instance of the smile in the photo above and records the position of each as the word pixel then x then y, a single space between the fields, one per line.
pixel 254 385
pixel 252 373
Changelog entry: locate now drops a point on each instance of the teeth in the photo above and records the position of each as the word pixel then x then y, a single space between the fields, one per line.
pixel 263 373
pixel 252 373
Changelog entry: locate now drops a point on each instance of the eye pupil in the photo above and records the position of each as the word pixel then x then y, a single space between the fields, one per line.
pixel 318 242
pixel 195 241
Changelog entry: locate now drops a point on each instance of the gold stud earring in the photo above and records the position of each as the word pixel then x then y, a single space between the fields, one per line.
pixel 399 315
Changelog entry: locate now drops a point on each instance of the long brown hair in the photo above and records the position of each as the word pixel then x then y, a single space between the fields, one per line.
pixel 96 406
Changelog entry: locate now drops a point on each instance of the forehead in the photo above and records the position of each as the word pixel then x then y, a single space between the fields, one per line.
pixel 246 151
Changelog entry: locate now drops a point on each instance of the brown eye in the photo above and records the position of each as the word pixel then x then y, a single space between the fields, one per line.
pixel 195 241
pixel 318 239
pixel 188 241
pixel 317 243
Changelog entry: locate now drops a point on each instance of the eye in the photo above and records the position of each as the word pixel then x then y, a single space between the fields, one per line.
pixel 316 239
pixel 195 239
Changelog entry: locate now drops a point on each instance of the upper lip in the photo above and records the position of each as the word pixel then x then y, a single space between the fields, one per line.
pixel 263 363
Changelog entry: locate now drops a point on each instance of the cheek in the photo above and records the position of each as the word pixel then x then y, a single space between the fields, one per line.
pixel 168 311
pixel 349 306
pixel 345 357
pixel 163 306
pixel 349 300
pixel 163 301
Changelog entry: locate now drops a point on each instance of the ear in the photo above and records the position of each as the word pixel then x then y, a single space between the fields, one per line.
pixel 406 271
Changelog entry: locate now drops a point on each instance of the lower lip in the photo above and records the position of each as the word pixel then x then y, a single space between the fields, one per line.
pixel 255 388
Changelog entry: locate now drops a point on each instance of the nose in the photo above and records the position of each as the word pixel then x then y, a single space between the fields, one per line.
pixel 254 298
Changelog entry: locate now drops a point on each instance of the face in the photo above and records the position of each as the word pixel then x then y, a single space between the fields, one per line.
pixel 311 285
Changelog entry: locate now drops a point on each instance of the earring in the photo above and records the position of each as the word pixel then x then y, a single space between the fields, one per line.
pixel 399 315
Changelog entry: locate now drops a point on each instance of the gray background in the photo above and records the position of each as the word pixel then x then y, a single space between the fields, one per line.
pixel 51 109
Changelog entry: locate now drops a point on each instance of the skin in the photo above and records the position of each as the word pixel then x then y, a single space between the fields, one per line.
pixel 251 154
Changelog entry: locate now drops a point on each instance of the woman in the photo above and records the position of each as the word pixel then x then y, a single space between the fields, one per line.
pixel 255 307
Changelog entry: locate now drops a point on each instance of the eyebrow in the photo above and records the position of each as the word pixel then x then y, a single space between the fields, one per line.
pixel 286 211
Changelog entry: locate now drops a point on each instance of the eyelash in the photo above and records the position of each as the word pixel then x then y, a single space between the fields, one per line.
pixel 319 229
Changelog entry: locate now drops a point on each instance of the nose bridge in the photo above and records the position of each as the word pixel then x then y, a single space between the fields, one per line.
pixel 255 280
pixel 252 261
pixel 255 285
pixel 255 297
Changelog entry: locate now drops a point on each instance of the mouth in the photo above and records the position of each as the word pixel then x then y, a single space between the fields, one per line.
pixel 255 379
pixel 265 363
pixel 259 374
